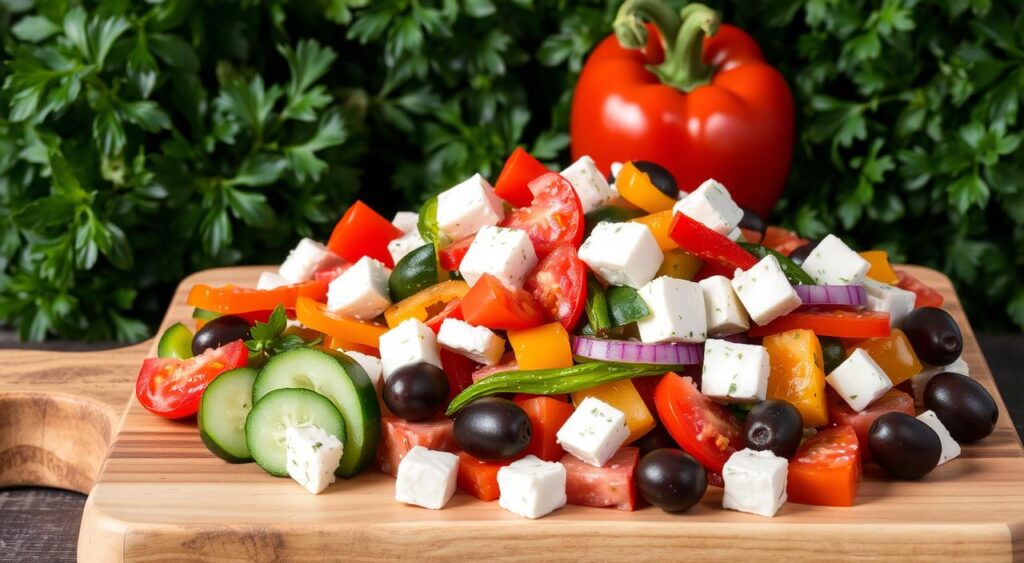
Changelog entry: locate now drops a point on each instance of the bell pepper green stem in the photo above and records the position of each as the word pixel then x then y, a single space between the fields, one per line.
pixel 682 36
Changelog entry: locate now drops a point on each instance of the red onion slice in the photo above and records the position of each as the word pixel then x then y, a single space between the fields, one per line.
pixel 630 352
pixel 832 296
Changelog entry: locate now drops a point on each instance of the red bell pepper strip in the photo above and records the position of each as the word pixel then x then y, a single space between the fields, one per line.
pixel 363 232
pixel 842 324
pixel 692 236
pixel 491 304
pixel 520 169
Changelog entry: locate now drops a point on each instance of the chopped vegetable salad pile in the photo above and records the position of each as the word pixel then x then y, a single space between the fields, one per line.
pixel 571 338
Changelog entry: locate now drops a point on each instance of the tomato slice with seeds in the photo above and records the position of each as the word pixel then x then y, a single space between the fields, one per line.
pixel 554 218
pixel 826 469
pixel 702 427
pixel 559 282
pixel 171 387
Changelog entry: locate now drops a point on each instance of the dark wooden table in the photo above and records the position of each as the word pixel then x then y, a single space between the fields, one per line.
pixel 38 524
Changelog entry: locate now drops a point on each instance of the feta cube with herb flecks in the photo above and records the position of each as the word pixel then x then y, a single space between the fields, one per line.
pixel 311 456
pixel 477 343
pixel 834 263
pixel 426 478
pixel 466 208
pixel 859 380
pixel 591 186
pixel 677 311
pixel 594 432
pixel 736 373
pixel 270 280
pixel 711 205
pixel 410 342
pixel 889 299
pixel 531 487
pixel 360 291
pixel 950 448
pixel 506 254
pixel 305 259
pixel 622 253
pixel 406 221
pixel 765 292
pixel 400 247
pixel 755 482
pixel 725 313
pixel 919 381
pixel 370 364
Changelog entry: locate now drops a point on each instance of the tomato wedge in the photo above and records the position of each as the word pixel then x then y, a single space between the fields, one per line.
pixel 363 232
pixel 315 315
pixel 171 388
pixel 232 300
pixel 842 324
pixel 459 370
pixel 555 217
pixel 520 169
pixel 702 427
pixel 489 303
pixel 781 240
pixel 450 257
pixel 840 413
pixel 826 469
pixel 926 296
pixel 559 283
pixel 692 236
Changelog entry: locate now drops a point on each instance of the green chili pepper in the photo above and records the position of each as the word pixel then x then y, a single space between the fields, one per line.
pixel 626 306
pixel 597 308
pixel 794 273
pixel 554 381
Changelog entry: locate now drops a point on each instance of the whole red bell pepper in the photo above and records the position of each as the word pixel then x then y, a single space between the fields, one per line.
pixel 690 94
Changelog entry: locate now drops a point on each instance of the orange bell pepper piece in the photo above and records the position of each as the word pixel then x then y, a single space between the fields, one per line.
pixel 826 469
pixel 679 264
pixel 422 305
pixel 658 223
pixel 232 300
pixel 893 354
pixel 543 347
pixel 636 187
pixel 316 316
pixel 623 396
pixel 797 373
pixel 880 270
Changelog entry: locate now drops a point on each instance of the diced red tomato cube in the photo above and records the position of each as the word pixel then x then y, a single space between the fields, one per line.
pixel 840 413
pixel 546 415
pixel 399 436
pixel 508 363
pixel 478 478
pixel 459 370
pixel 611 485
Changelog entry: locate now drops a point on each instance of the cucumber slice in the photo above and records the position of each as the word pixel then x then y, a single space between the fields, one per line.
pixel 176 342
pixel 223 409
pixel 280 409
pixel 340 379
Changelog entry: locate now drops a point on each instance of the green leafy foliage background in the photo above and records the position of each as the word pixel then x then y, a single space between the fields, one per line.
pixel 140 141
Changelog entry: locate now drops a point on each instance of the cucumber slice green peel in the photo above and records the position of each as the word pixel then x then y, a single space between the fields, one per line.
pixel 223 408
pixel 339 378
pixel 276 412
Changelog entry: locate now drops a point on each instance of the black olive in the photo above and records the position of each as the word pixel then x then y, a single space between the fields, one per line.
pixel 934 335
pixel 774 425
pixel 416 392
pixel 832 352
pixel 752 221
pixel 660 177
pixel 219 332
pixel 655 439
pixel 493 429
pixel 802 252
pixel 965 408
pixel 903 446
pixel 671 479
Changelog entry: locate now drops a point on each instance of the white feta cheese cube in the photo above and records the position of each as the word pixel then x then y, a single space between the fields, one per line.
pixel 622 253
pixel 311 456
pixel 832 262
pixel 477 343
pixel 305 259
pixel 411 342
pixel 735 234
pixel 919 381
pixel 736 373
pixel 594 432
pixel 591 186
pixel 677 311
pixel 859 380
pixel 426 478
pixel 403 245
pixel 725 313
pixel 755 482
pixel 361 291
pixel 531 487
pixel 950 449
pixel 765 291
pixel 406 221
pixel 506 254
pixel 370 364
pixel 889 299
pixel 270 280
pixel 465 208
pixel 711 205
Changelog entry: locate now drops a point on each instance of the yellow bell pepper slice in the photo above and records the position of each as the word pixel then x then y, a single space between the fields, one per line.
pixel 623 396
pixel 426 303
pixel 542 347
pixel 659 223
pixel 636 187
pixel 679 264
pixel 880 270
pixel 893 354
pixel 797 373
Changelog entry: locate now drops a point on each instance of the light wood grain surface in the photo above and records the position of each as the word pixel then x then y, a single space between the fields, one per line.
pixel 159 496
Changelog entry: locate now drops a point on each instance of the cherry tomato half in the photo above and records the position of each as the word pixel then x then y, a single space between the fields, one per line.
pixel 559 282
pixel 171 387
pixel 555 217
pixel 702 427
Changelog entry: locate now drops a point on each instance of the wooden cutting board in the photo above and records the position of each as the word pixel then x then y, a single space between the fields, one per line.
pixel 69 420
